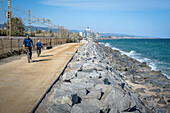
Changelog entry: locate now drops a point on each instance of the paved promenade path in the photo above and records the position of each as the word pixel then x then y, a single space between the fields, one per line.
pixel 22 84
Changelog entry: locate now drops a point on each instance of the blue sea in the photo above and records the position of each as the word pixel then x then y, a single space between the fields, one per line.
pixel 155 52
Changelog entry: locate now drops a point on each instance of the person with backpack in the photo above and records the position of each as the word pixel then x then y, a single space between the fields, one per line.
pixel 27 44
pixel 39 46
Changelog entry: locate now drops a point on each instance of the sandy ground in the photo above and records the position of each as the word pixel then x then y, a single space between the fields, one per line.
pixel 22 84
pixel 149 93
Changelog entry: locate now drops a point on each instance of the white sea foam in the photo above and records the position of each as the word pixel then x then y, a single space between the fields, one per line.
pixel 108 45
pixel 166 75
pixel 132 52
pixel 153 66
pixel 101 43
pixel 141 59
pixel 116 49
pixel 138 57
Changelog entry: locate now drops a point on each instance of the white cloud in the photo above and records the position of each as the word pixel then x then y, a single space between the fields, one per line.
pixel 110 4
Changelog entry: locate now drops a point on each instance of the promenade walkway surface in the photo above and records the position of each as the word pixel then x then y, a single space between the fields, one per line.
pixel 22 84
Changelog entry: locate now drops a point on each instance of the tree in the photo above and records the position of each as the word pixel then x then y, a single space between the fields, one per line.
pixel 62 32
pixel 51 31
pixel 75 36
pixel 17 26
pixel 39 31
pixel 2 32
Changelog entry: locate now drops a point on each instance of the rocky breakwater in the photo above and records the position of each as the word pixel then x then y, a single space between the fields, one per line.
pixel 152 87
pixel 91 84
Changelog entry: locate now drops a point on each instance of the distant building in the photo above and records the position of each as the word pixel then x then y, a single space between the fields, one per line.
pixel 88 32
pixel 81 34
pixel 96 34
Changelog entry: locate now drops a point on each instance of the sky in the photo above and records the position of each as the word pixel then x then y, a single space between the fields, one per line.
pixel 136 17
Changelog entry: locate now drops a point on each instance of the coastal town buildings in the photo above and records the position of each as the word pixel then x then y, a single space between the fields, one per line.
pixel 88 32
pixel 81 34
pixel 97 35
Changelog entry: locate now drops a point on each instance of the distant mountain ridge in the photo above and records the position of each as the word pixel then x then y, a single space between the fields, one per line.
pixel 55 30
pixel 35 28
pixel 121 35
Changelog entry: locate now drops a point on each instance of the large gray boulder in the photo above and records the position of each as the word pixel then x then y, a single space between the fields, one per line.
pixel 61 108
pixel 79 79
pixel 67 76
pixel 119 99
pixel 102 87
pixel 75 86
pixel 114 110
pixel 95 102
pixel 92 74
pixel 85 108
pixel 76 66
pixel 63 97
pixel 97 94
pixel 86 80
pixel 89 67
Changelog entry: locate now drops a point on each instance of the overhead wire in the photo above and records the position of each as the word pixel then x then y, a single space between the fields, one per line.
pixel 50 24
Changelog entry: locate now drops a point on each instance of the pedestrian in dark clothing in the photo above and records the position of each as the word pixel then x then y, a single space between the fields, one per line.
pixel 27 44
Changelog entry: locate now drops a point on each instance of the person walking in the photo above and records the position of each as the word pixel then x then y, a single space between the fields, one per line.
pixel 27 45
pixel 39 46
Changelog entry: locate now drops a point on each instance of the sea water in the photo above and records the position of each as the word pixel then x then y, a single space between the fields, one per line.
pixel 155 52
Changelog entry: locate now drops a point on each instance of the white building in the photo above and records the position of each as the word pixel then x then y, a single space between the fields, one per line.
pixel 81 34
pixel 96 34
pixel 88 32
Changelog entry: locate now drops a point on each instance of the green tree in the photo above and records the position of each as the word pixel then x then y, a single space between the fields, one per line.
pixel 17 26
pixel 2 32
pixel 39 31
pixel 51 31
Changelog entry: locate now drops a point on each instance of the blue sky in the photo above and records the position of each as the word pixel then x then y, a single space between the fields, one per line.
pixel 137 17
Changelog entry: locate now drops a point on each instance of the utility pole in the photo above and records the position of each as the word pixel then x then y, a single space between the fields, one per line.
pixel 29 23
pixel 9 19
pixel 48 25
pixel 59 33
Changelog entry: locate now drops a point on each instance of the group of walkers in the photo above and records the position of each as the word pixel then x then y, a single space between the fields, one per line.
pixel 28 44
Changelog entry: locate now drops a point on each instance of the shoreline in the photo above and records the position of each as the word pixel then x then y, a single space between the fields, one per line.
pixel 129 38
pixel 140 59
pixel 95 81
pixel 153 84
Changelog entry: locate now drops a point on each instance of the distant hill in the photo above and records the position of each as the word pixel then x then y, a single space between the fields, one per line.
pixel 2 25
pixel 75 31
pixel 35 28
pixel 119 35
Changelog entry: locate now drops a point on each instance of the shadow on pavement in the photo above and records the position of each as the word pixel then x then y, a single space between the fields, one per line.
pixel 46 55
pixel 41 60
